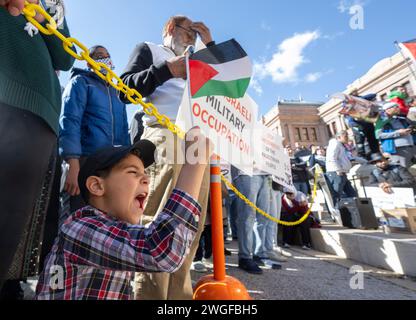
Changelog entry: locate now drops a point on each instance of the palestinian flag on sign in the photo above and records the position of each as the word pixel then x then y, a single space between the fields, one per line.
pixel 409 48
pixel 220 70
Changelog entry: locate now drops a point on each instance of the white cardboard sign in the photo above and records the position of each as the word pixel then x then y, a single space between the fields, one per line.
pixel 269 155
pixel 400 198
pixel 229 123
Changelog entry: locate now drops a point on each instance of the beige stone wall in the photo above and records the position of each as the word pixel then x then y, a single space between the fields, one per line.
pixel 297 122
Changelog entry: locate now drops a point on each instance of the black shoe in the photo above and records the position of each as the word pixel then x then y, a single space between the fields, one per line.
pixel 250 266
pixel 227 252
pixel 276 266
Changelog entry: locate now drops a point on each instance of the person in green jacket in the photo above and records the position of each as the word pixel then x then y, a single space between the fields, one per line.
pixel 30 102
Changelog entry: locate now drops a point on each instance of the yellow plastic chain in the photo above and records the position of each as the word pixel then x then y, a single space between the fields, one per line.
pixel 30 10
pixel 283 223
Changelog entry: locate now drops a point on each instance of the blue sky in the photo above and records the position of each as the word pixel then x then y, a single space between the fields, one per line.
pixel 298 47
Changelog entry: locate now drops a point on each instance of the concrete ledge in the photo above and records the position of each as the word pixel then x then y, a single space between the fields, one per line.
pixel 395 252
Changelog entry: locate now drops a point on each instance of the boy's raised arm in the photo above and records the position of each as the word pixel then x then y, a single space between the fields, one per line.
pixel 160 247
pixel 110 244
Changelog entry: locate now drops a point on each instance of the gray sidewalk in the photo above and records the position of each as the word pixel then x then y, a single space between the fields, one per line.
pixel 311 275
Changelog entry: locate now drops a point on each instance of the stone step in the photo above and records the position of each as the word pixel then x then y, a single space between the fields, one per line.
pixel 395 252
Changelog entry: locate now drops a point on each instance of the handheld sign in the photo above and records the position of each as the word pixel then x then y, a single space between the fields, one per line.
pixel 269 155
pixel 358 108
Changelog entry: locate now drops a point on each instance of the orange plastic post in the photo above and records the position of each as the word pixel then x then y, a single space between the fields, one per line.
pixel 216 220
pixel 218 286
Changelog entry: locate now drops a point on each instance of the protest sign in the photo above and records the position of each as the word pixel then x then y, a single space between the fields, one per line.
pixel 229 123
pixel 269 155
pixel 400 198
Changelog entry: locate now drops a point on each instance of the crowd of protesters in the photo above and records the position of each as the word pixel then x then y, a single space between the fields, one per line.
pixel 388 143
pixel 118 216
pixel 122 217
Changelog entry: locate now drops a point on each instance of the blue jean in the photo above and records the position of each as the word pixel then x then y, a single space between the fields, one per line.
pixel 257 190
pixel 271 228
pixel 340 187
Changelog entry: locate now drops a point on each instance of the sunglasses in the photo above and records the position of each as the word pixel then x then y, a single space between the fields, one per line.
pixel 189 31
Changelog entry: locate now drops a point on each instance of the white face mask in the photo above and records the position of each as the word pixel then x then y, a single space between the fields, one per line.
pixel 108 62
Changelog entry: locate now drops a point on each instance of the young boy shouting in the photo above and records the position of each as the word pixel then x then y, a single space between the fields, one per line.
pixel 100 247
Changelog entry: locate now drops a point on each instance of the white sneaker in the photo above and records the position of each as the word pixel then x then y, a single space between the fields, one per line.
pixel 282 252
pixel 275 256
pixel 198 266
pixel 285 245
pixel 209 263
pixel 306 248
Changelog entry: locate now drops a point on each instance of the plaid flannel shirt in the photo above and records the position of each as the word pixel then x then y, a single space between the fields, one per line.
pixel 95 256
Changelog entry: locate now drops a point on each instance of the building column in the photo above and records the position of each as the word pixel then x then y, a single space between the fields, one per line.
pixel 291 136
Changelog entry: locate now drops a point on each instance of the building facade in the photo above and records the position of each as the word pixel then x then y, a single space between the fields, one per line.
pixel 315 123
pixel 297 122
pixel 381 79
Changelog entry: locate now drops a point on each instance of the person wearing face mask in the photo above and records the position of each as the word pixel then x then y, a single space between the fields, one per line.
pixel 158 72
pixel 92 117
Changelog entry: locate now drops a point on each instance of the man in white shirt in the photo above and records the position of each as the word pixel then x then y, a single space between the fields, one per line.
pixel 158 72
pixel 338 165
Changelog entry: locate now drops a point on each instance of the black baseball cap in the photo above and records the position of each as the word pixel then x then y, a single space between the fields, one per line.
pixel 377 157
pixel 108 157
